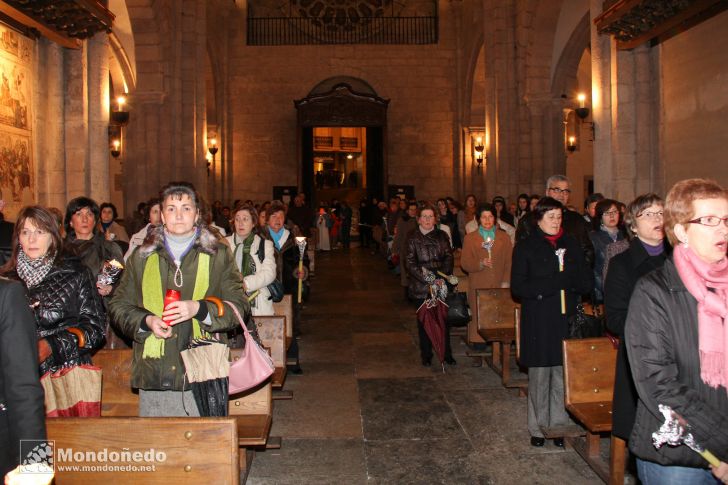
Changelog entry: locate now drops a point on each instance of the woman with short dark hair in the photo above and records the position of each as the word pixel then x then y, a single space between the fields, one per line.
pixel 112 230
pixel 182 255
pixel 548 275
pixel 606 230
pixel 677 341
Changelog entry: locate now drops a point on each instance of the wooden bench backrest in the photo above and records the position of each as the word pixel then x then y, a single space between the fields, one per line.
pixel 589 369
pixel 196 450
pixel 285 308
pixel 117 396
pixel 272 333
pixel 495 313
pixel 119 399
pixel 517 322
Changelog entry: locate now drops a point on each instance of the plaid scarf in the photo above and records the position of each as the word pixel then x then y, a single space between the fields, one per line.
pixel 33 271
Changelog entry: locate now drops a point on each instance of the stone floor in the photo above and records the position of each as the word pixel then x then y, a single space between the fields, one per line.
pixel 366 411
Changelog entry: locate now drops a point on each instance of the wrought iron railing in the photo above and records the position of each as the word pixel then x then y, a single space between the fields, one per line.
pixel 373 30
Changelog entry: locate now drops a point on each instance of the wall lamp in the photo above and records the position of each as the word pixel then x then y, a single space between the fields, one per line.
pixel 571 144
pixel 115 148
pixel 582 111
pixel 213 149
pixel 479 151
pixel 120 116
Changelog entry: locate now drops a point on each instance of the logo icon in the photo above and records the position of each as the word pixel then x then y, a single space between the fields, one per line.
pixel 37 456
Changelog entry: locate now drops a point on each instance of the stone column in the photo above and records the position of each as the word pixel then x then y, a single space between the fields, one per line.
pixel 98 118
pixel 48 97
pixel 76 126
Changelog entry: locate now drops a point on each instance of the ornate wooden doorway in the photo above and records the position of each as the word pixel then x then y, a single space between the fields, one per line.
pixel 348 106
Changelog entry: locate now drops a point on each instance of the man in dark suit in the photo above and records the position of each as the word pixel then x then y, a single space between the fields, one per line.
pixel 22 414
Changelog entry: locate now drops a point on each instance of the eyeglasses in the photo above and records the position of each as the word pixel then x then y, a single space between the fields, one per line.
pixel 611 212
pixel 36 233
pixel 711 221
pixel 652 215
pixel 560 191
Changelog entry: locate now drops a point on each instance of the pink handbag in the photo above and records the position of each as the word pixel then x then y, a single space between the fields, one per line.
pixel 254 365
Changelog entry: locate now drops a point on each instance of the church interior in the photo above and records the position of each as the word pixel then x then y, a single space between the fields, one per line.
pixel 359 99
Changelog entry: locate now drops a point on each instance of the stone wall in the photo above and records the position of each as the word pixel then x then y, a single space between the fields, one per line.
pixel 694 103
pixel 419 80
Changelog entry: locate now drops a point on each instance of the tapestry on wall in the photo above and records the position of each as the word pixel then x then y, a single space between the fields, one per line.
pixel 16 158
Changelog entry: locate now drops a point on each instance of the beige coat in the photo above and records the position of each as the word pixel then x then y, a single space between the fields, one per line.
pixel 499 276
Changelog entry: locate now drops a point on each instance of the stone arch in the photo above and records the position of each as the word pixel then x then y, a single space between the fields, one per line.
pixel 564 79
pixel 473 58
pixel 355 84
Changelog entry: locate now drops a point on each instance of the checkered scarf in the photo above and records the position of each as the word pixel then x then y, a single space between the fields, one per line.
pixel 32 271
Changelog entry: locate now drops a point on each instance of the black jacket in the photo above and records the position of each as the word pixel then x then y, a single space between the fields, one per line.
pixel 287 262
pixel 573 224
pixel 624 271
pixel 431 251
pixel 662 344
pixel 600 240
pixel 22 413
pixel 537 282
pixel 67 298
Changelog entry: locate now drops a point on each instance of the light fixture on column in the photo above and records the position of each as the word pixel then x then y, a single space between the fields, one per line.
pixel 212 148
pixel 582 111
pixel 115 148
pixel 479 151
pixel 571 144
pixel 120 115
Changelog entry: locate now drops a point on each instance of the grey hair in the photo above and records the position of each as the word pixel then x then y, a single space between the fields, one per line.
pixel 636 207
pixel 557 178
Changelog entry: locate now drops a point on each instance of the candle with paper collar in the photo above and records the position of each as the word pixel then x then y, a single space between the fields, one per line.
pixel 560 254
pixel 301 243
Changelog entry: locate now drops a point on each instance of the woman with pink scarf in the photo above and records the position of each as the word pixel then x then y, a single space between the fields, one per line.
pixel 677 339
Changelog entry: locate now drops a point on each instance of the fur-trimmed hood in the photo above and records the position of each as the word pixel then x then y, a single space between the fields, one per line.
pixel 205 241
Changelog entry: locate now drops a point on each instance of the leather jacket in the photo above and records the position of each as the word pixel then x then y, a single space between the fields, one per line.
pixel 67 298
pixel 430 251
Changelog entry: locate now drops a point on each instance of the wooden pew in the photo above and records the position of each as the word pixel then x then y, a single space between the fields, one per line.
pixel 272 333
pixel 589 369
pixel 252 409
pixel 495 317
pixel 285 308
pixel 194 450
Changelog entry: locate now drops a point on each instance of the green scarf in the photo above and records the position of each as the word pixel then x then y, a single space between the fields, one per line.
pixel 487 233
pixel 247 265
pixel 153 298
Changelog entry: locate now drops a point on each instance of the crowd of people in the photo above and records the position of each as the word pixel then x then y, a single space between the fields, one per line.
pixel 658 266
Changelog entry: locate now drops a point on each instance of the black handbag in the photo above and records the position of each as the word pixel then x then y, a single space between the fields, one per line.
pixel 582 325
pixel 458 311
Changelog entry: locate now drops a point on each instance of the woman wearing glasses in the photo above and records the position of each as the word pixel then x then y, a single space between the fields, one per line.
pixel 646 252
pixel 606 231
pixel 677 339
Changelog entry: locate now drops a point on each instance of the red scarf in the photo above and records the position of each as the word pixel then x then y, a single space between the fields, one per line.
pixel 698 276
pixel 552 239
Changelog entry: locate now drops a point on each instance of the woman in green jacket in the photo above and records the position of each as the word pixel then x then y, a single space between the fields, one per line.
pixel 183 255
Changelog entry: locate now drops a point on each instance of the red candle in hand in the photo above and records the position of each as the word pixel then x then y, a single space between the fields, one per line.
pixel 170 297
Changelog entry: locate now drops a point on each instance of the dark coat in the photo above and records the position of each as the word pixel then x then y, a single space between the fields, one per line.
pixel 287 262
pixel 662 345
pixel 68 298
pixel 624 271
pixel 93 252
pixel 537 281
pixel 600 240
pixel 22 412
pixel 6 240
pixel 573 224
pixel 430 251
